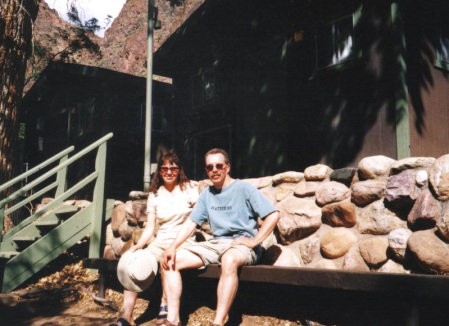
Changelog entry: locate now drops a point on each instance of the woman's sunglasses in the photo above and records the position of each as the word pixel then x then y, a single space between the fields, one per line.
pixel 164 170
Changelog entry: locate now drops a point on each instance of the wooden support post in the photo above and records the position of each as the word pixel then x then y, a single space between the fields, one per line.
pixel 401 93
pixel 97 221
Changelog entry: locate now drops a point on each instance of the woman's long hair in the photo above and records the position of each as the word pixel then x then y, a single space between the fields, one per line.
pixel 157 180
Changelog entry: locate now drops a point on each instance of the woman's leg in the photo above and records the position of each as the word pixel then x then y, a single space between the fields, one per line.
pixel 129 301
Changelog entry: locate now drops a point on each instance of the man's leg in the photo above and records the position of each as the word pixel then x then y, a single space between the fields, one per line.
pixel 172 281
pixel 129 301
pixel 228 284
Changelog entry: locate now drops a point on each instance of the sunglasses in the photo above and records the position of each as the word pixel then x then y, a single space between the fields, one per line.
pixel 219 166
pixel 164 170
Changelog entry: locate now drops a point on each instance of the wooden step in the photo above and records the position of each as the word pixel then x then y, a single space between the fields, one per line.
pixel 24 242
pixel 65 211
pixel 8 254
pixel 47 224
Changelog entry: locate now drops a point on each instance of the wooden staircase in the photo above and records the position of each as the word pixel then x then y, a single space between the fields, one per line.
pixel 47 233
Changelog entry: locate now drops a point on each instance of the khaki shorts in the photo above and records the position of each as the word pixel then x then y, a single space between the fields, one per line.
pixel 157 247
pixel 211 251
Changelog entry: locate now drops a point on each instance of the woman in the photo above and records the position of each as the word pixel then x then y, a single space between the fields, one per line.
pixel 171 199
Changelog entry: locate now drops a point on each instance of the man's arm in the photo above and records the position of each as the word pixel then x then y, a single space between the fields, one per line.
pixel 169 255
pixel 267 227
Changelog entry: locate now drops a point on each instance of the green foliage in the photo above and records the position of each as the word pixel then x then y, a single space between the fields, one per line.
pixel 22 131
pixel 91 25
pixel 176 3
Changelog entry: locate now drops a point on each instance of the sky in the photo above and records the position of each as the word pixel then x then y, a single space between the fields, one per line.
pixel 87 9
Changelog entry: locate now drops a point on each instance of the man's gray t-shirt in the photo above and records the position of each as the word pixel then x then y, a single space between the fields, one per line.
pixel 232 211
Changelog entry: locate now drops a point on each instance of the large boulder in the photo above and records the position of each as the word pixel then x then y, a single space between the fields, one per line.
pixel 139 207
pixel 439 177
pixel 324 264
pixel 397 241
pixel 306 188
pixel 126 230
pixel 431 253
pixel 344 175
pixel 135 194
pixel 130 214
pixel 331 192
pixel 374 251
pixel 411 163
pixel 376 219
pixel 300 217
pixel 443 222
pixel 337 242
pixel 288 177
pixel 117 218
pixel 393 267
pixel 366 192
pixel 353 261
pixel 425 212
pixel 278 255
pixel 284 190
pixel 374 167
pixel 422 177
pixel 318 172
pixel 308 249
pixel 339 214
pixel 401 190
pixel 260 183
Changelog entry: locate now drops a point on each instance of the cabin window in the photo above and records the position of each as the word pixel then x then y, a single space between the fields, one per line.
pixel 203 88
pixel 40 144
pixel 40 124
pixel 158 120
pixel 443 47
pixel 85 115
pixel 335 41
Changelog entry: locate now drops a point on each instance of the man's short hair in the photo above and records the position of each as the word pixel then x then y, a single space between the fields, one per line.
pixel 217 151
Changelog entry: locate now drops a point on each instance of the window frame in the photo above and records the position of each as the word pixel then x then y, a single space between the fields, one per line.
pixel 85 112
pixel 354 58
pixel 201 101
pixel 440 62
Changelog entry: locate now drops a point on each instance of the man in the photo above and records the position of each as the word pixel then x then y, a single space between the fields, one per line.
pixel 231 207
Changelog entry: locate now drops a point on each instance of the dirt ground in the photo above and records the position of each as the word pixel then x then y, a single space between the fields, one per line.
pixel 65 298
pixel 62 294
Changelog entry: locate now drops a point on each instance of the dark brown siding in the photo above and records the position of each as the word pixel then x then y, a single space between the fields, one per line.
pixel 433 139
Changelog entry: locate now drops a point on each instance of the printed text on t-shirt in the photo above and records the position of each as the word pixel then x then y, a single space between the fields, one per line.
pixel 221 208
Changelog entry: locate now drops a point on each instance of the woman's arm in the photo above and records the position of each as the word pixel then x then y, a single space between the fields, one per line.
pixel 147 232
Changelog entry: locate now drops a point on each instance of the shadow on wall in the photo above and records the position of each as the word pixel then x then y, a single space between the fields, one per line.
pixel 336 117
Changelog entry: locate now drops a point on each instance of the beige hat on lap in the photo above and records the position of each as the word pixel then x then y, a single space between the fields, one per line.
pixel 137 270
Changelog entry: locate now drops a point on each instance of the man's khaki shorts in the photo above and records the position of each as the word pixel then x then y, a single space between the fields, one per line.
pixel 157 247
pixel 211 251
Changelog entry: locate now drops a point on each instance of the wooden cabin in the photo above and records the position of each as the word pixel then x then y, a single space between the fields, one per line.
pixel 283 85
pixel 74 104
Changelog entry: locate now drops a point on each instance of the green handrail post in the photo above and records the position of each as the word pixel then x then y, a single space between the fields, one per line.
pixel 2 220
pixel 68 224
pixel 99 204
pixel 401 93
pixel 61 177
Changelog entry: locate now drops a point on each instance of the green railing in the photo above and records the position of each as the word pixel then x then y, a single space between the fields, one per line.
pixel 61 193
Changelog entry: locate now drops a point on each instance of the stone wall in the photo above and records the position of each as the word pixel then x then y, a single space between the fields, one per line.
pixel 385 215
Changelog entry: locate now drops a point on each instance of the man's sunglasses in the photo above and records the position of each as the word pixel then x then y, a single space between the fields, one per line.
pixel 219 166
pixel 165 169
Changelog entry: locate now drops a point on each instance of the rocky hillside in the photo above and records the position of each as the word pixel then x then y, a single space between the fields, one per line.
pixel 122 49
